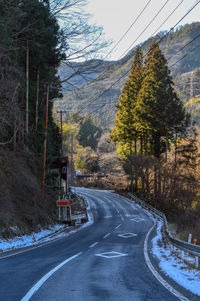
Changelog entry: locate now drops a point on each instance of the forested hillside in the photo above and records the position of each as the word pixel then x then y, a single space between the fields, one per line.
pixel 26 70
pixel 32 47
pixel 100 95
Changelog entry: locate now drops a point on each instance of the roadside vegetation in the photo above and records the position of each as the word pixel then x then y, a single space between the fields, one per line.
pixel 32 47
pixel 157 148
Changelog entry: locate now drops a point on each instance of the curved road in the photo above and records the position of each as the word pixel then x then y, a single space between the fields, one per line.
pixel 105 261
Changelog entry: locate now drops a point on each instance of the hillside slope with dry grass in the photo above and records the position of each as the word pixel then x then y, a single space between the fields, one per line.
pixel 22 209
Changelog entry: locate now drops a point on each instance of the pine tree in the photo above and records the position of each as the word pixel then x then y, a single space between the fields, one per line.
pixel 159 110
pixel 124 132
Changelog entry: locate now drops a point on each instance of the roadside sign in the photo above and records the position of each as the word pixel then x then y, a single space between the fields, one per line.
pixel 62 203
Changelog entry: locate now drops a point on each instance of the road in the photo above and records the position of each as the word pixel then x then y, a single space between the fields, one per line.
pixel 109 260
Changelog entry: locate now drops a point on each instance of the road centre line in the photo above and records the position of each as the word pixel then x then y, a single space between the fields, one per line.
pixel 106 235
pixel 93 245
pixel 36 287
pixel 118 226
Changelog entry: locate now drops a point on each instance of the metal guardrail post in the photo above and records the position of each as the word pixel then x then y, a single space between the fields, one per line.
pixel 180 244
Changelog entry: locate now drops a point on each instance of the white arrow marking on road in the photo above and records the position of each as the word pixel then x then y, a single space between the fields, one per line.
pixel 36 287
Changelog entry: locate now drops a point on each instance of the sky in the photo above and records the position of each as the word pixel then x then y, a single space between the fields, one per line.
pixel 116 16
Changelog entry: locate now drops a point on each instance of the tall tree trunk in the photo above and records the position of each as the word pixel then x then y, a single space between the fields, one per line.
pixel 136 176
pixel 45 143
pixel 141 144
pixel 37 98
pixel 147 181
pixel 131 175
pixel 166 146
pixel 15 136
pixel 27 86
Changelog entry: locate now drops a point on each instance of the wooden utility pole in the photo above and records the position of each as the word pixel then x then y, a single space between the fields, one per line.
pixel 45 143
pixel 61 129
pixel 27 86
pixel 72 158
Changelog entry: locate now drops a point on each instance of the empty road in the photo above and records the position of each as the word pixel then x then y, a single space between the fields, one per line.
pixel 109 260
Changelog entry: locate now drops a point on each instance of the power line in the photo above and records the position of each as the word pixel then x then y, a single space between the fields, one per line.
pixel 126 73
pixel 189 11
pixel 128 29
pixel 184 46
pixel 100 63
pixel 145 28
pixel 168 17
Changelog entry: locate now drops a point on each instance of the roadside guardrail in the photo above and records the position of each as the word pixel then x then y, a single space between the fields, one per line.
pixel 177 243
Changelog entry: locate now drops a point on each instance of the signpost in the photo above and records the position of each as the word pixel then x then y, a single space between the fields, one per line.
pixel 63 207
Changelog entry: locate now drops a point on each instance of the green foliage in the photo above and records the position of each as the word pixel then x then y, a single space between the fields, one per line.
pixel 158 109
pixel 89 132
pixel 170 48
pixel 87 161
pixel 125 124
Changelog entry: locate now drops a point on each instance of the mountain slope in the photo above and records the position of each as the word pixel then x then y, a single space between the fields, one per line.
pixel 100 95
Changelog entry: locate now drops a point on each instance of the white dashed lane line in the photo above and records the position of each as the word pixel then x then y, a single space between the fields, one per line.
pixel 118 226
pixel 93 245
pixel 106 235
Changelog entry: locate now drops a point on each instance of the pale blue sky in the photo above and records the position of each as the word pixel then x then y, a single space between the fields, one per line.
pixel 116 16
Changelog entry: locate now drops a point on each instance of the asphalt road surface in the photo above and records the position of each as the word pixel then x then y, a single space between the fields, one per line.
pixel 109 260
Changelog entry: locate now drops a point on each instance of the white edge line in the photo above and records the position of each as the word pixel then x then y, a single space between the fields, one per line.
pixel 106 235
pixel 36 287
pixel 156 274
pixel 93 245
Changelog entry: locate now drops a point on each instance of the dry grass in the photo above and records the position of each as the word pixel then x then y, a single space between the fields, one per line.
pixel 21 205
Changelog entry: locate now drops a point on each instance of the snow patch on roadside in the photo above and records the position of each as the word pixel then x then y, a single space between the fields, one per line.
pixel 27 240
pixel 45 235
pixel 175 267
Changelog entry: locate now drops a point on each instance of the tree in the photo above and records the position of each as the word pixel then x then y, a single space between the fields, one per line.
pixel 125 131
pixel 10 112
pixel 158 109
pixel 89 132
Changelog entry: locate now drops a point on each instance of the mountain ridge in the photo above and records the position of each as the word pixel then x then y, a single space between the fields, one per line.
pixel 89 98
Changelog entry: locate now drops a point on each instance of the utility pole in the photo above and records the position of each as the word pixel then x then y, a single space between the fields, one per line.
pixel 45 143
pixel 61 129
pixel 72 159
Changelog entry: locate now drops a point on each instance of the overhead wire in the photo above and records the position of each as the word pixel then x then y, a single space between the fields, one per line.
pixel 117 43
pixel 128 48
pixel 127 72
pixel 189 11
pixel 125 52
pixel 185 46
